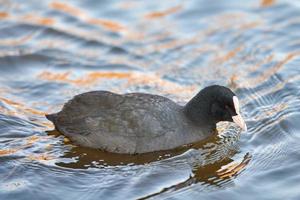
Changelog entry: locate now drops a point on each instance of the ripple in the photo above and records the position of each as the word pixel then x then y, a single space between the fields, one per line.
pixel 50 51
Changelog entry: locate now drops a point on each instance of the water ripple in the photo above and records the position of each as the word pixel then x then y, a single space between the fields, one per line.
pixel 52 50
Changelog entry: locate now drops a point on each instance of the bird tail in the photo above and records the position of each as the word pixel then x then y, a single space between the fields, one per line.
pixel 52 117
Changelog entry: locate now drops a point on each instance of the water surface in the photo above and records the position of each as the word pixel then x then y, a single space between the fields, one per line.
pixel 53 50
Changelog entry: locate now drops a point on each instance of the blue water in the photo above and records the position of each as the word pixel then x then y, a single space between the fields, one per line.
pixel 53 50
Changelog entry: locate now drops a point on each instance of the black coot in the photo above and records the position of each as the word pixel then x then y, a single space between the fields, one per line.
pixel 139 123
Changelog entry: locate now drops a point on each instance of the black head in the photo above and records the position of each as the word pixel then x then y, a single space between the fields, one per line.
pixel 212 105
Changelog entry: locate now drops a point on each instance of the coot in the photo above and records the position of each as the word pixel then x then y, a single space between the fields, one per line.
pixel 139 123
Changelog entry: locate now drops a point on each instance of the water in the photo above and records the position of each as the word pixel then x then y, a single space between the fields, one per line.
pixel 52 50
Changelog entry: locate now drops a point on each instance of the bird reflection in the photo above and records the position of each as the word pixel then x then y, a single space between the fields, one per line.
pixel 212 165
pixel 217 175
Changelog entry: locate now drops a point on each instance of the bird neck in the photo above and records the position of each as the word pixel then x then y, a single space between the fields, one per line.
pixel 198 111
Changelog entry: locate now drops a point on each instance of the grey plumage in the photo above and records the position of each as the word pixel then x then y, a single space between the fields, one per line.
pixel 140 123
pixel 129 123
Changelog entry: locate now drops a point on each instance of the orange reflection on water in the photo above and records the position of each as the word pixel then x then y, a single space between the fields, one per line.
pixel 38 20
pixel 80 14
pixel 3 15
pixel 161 84
pixel 234 168
pixel 28 142
pixel 40 157
pixel 233 81
pixel 229 55
pixel 160 14
pixel 4 152
pixel 93 77
pixel 127 4
pixel 30 18
pixel 90 78
pixel 132 78
pixel 20 108
pixel 66 8
pixel 108 24
pixel 249 25
pixel 265 3
pixel 54 76
pixel 32 139
pixel 8 112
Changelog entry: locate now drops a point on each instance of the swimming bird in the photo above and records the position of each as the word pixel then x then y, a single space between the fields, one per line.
pixel 139 123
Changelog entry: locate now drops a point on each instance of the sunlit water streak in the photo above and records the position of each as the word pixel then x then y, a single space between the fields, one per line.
pixel 52 50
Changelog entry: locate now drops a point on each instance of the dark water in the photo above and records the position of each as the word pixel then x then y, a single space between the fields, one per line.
pixel 52 50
